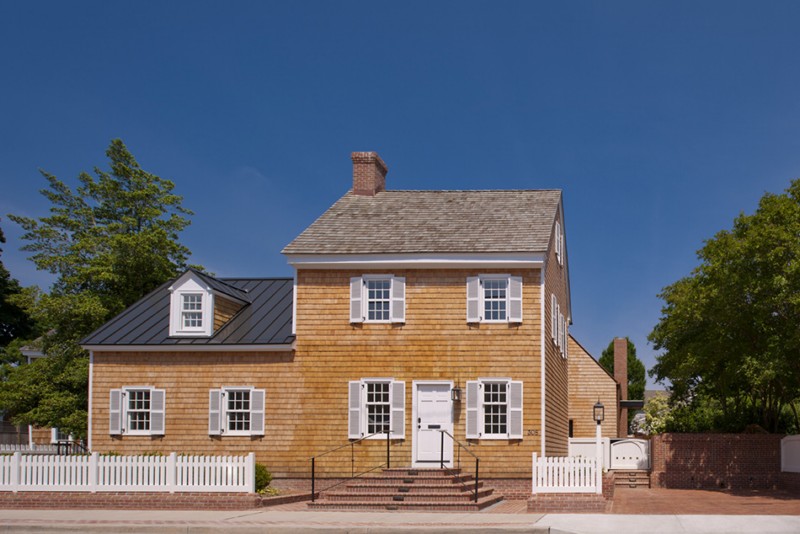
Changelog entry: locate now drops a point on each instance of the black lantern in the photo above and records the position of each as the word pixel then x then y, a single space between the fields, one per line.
pixel 455 394
pixel 599 412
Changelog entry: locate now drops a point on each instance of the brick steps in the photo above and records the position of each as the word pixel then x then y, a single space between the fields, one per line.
pixel 632 478
pixel 410 489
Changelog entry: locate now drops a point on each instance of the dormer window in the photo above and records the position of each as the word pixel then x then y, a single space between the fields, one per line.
pixel 192 311
pixel 200 305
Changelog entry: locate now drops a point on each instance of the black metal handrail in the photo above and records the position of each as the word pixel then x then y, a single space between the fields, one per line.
pixel 67 447
pixel 461 446
pixel 351 444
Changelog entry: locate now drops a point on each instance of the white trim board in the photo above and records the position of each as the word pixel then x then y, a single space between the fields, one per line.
pixel 185 347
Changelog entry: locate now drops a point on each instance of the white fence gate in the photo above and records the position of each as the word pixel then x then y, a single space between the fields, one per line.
pixel 618 454
pixel 790 454
pixel 567 474
pixel 630 454
pixel 94 473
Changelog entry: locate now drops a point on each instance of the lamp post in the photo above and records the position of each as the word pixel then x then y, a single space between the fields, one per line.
pixel 599 413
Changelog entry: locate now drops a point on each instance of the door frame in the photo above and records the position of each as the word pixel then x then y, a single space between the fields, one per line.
pixel 414 398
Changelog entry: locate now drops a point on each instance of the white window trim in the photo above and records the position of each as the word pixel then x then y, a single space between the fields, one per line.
pixel 223 411
pixel 54 436
pixel 481 303
pixel 121 414
pixel 475 409
pixel 357 412
pixel 359 299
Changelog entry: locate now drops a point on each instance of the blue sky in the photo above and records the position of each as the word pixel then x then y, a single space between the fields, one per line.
pixel 661 121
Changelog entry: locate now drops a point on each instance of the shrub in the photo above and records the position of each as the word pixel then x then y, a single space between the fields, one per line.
pixel 263 477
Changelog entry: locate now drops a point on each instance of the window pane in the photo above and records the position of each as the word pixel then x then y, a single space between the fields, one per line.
pixel 192 311
pixel 378 409
pixel 495 408
pixel 494 300
pixel 378 299
pixel 138 409
pixel 237 410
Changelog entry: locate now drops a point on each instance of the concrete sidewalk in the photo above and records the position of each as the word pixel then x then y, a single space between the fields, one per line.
pixel 260 521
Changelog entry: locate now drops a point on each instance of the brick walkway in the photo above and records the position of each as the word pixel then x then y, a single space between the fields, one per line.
pixel 674 501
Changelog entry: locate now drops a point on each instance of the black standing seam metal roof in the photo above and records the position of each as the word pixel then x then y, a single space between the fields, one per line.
pixel 265 320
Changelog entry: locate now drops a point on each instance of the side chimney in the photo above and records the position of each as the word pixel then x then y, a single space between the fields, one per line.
pixel 369 173
pixel 621 376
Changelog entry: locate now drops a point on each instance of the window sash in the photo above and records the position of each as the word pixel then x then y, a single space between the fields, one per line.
pixel 137 411
pixel 495 408
pixel 191 311
pixel 378 299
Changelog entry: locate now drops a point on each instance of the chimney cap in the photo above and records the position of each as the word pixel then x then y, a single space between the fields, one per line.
pixel 369 157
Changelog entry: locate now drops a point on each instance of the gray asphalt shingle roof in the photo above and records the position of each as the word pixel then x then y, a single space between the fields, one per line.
pixel 266 320
pixel 397 222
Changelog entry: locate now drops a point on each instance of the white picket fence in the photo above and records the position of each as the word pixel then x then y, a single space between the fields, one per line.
pixel 24 447
pixel 95 473
pixel 567 474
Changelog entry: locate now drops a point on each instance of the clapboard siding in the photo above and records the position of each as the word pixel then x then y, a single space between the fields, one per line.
pixel 306 392
pixel 588 382
pixel 556 367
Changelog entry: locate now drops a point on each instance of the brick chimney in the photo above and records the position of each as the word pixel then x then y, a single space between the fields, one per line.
pixel 621 376
pixel 369 173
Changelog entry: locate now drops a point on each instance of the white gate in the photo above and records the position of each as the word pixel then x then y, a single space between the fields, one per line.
pixel 630 454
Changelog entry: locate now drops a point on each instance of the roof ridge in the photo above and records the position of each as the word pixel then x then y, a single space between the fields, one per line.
pixel 220 280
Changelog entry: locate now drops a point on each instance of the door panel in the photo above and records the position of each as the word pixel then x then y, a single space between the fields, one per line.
pixel 434 413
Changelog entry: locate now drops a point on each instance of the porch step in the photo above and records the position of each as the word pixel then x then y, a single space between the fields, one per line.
pixel 632 478
pixel 410 489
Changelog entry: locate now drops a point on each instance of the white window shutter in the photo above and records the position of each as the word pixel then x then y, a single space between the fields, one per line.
pixel 115 412
pixel 398 306
pixel 561 247
pixel 561 331
pixel 553 319
pixel 566 341
pixel 558 325
pixel 473 409
pixel 557 242
pixel 214 412
pixel 473 299
pixel 515 410
pixel 157 411
pixel 398 403
pixel 354 411
pixel 356 300
pixel 257 412
pixel 515 299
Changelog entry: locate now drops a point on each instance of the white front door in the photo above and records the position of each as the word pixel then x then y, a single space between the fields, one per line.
pixel 434 412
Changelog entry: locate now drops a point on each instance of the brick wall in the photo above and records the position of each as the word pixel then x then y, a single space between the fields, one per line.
pixel 729 461
pixel 63 500
pixel 574 503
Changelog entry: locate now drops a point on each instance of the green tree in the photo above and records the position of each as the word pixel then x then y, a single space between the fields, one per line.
pixel 14 322
pixel 109 242
pixel 636 370
pixel 731 346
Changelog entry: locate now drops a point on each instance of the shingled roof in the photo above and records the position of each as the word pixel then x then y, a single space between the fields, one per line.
pixel 408 222
pixel 266 319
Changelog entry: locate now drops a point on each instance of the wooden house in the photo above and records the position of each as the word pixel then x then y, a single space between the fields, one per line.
pixel 410 313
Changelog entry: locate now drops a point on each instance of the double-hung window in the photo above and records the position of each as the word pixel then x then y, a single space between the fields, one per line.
pixel 558 327
pixel 376 405
pixel 191 312
pixel 236 411
pixel 494 409
pixel 377 298
pixel 495 298
pixel 559 243
pixel 136 411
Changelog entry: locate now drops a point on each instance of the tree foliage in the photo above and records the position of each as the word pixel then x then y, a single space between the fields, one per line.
pixel 109 242
pixel 729 331
pixel 14 322
pixel 636 370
